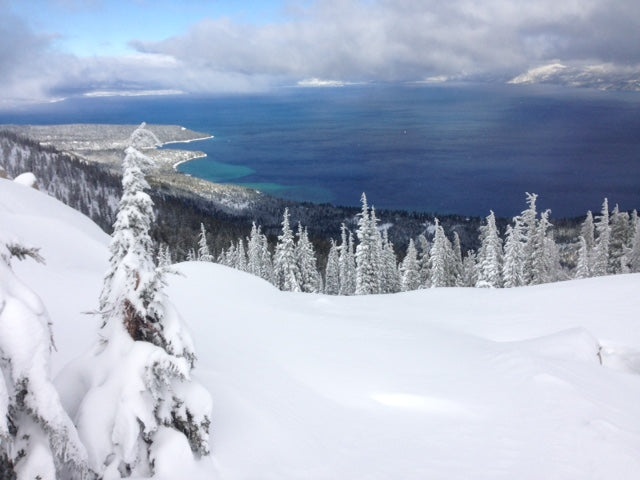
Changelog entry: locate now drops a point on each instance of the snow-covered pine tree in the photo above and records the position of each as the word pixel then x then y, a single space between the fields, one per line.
pixel 587 231
pixel 142 138
pixel 633 255
pixel 376 234
pixel 586 252
pixel 582 267
pixel 258 255
pixel 423 261
pixel 409 269
pixel 241 256
pixel 203 248
pixel 390 275
pixel 490 255
pixel 310 280
pixel 229 257
pixel 512 273
pixel 332 272
pixel 367 252
pixel 37 438
pixel 285 265
pixel 439 258
pixel 456 261
pixel 138 376
pixel 601 251
pixel 164 256
pixel 620 242
pixel 347 262
pixel 266 262
pixel 545 265
pixel 529 221
pixel 469 270
pixel 253 251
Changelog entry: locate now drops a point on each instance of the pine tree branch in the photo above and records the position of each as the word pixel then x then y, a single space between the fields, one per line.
pixel 21 252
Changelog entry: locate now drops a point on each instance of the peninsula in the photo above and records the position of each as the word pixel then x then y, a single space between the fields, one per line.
pixel 104 144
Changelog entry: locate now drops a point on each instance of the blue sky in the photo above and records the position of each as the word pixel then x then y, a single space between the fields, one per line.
pixel 56 48
pixel 105 27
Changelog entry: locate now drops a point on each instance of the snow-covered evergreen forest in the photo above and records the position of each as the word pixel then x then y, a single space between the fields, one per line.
pixel 365 261
pixel 113 367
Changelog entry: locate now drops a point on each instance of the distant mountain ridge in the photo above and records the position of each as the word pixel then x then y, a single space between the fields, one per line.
pixel 600 76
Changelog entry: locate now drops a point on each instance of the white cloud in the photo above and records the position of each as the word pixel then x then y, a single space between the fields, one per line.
pixel 342 40
pixel 412 39
pixel 319 83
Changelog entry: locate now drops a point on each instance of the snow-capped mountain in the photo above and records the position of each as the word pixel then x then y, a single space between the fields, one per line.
pixel 600 76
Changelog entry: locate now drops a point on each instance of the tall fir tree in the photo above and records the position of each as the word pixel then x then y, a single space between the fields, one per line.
pixel 586 253
pixel 529 221
pixel 545 264
pixel 601 251
pixel 410 269
pixel 266 262
pixel 621 234
pixel 332 271
pixel 203 248
pixel 512 273
pixel 390 277
pixel 490 255
pixel 241 256
pixel 469 270
pixel 142 340
pixel 253 251
pixel 347 263
pixel 285 265
pixel 310 281
pixel 258 255
pixel 582 266
pixel 424 250
pixel 164 256
pixel 367 252
pixel 226 256
pixel 587 230
pixel 456 261
pixel 633 255
pixel 440 258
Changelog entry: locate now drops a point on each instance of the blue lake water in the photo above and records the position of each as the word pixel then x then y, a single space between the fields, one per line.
pixel 461 149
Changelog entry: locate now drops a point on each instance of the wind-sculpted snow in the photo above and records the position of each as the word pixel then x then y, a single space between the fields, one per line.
pixel 524 383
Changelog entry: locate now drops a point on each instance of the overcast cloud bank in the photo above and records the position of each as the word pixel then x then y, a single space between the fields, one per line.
pixel 345 41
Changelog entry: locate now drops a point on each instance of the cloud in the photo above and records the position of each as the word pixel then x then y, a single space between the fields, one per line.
pixel 145 72
pixel 341 40
pixel 394 40
pixel 23 58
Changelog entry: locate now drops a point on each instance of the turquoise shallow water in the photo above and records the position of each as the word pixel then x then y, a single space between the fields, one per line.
pixel 216 171
pixel 452 149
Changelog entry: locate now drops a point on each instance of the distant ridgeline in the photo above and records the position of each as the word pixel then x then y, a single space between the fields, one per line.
pixel 445 251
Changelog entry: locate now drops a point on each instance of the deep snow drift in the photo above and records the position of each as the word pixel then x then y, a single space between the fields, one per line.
pixel 529 383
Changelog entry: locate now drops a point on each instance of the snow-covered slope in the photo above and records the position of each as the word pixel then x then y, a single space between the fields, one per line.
pixel 75 252
pixel 439 384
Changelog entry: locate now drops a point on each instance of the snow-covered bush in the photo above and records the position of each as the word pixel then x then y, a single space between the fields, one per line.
pixel 37 438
